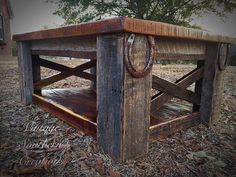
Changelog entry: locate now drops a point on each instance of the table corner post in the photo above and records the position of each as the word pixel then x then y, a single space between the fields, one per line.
pixel 123 102
pixel 25 71
pixel 212 85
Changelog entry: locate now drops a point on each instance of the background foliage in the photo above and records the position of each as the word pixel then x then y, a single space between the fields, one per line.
pixel 178 12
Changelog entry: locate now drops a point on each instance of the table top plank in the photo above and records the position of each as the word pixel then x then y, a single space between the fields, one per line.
pixel 125 24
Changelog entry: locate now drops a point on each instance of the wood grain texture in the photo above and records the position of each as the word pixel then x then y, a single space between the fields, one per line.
pixel 59 67
pixel 124 24
pixel 78 71
pixel 92 28
pixel 81 101
pixel 25 72
pixel 161 98
pixel 179 49
pixel 174 90
pixel 36 71
pixel 124 113
pixel 93 71
pixel 198 86
pixel 82 47
pixel 164 129
pixel 212 86
pixel 80 115
pixel 66 53
pixel 173 31
pixel 110 96
pixel 137 102
pixel 53 65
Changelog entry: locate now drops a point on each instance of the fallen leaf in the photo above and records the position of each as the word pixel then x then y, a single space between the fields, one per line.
pixel 190 156
pixel 46 165
pixel 220 163
pixel 83 166
pixel 65 161
pixel 100 166
pixel 202 154
pixel 162 171
pixel 113 173
pixel 32 170
pixel 2 174
pixel 72 136
pixel 82 155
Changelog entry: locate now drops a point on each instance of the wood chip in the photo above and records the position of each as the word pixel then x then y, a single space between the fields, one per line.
pixel 113 173
pixel 32 170
pixel 83 166
pixel 100 166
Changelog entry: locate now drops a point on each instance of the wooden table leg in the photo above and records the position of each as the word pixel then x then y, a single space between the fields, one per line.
pixel 212 86
pixel 36 72
pixel 25 72
pixel 198 87
pixel 93 71
pixel 123 101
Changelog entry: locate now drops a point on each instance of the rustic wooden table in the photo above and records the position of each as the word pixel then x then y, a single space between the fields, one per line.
pixel 119 110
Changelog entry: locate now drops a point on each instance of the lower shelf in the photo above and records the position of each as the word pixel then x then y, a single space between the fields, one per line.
pixel 74 106
pixel 77 106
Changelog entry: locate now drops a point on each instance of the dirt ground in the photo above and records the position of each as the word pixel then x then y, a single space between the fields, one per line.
pixel 35 143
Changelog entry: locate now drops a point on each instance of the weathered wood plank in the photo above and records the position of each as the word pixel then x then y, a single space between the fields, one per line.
pixel 79 47
pixel 83 43
pixel 93 71
pixel 52 65
pixel 137 102
pixel 176 56
pixel 124 24
pixel 110 94
pixel 164 129
pixel 25 72
pixel 161 98
pixel 174 90
pixel 36 71
pixel 198 87
pixel 179 49
pixel 124 113
pixel 66 53
pixel 147 27
pixel 70 71
pixel 212 86
pixel 66 115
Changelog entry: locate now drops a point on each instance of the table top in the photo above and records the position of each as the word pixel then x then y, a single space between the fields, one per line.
pixel 124 24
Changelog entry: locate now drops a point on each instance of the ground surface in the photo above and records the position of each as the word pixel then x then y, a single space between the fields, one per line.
pixel 33 141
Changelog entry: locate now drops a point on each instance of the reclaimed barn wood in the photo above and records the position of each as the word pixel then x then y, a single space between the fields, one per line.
pixel 78 47
pixel 118 108
pixel 167 128
pixel 93 71
pixel 110 94
pixel 198 86
pixel 67 53
pixel 62 68
pixel 124 24
pixel 212 86
pixel 137 102
pixel 78 70
pixel 36 71
pixel 61 103
pixel 52 65
pixel 174 90
pixel 123 114
pixel 25 70
pixel 161 98
pixel 176 49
